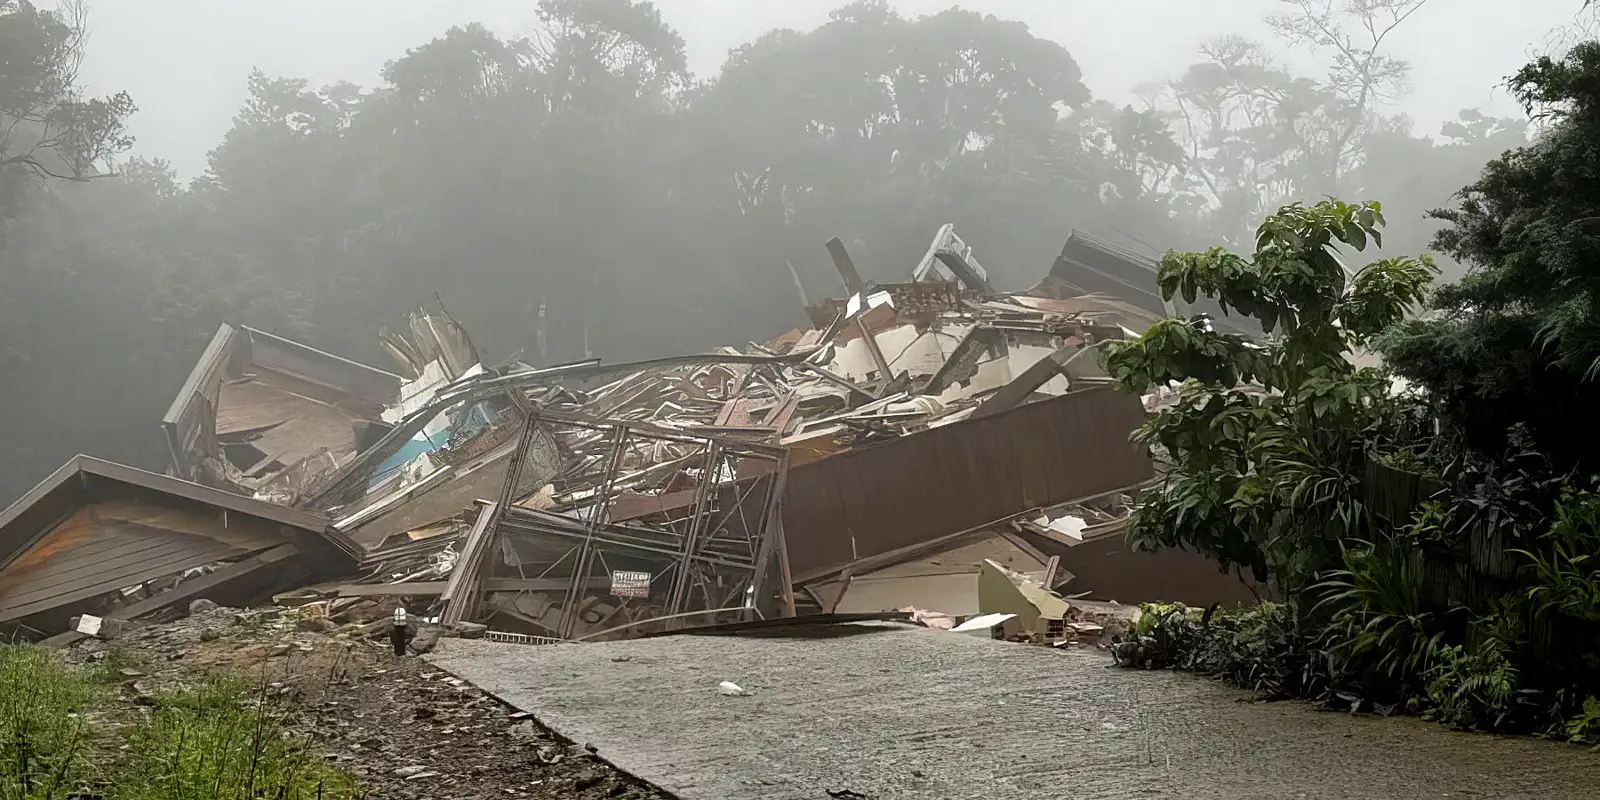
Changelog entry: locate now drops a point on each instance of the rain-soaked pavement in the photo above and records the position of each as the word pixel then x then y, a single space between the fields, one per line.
pixel 888 711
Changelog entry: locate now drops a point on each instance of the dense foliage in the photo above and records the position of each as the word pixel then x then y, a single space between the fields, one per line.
pixel 1267 441
pixel 578 192
pixel 1436 550
pixel 1517 340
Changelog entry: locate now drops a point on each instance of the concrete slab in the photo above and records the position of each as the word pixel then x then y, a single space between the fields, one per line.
pixel 895 712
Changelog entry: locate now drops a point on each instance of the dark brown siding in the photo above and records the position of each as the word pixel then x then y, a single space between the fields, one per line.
pixel 1108 570
pixel 105 547
pixel 961 476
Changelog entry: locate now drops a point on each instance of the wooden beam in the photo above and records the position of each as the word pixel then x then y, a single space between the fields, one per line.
pixel 1050 571
pixel 187 590
pixel 844 586
pixel 436 588
pixel 847 268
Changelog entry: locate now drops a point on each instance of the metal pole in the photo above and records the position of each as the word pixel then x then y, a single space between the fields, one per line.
pixel 601 514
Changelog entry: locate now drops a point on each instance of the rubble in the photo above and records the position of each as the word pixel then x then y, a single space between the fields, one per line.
pixel 876 460
pixel 401 728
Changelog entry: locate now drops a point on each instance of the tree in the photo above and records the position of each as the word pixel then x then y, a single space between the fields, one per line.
pixel 49 134
pixel 1266 441
pixel 878 129
pixel 1515 344
pixel 1248 128
pixel 48 130
pixel 1256 136
pixel 1362 75
pixel 1415 174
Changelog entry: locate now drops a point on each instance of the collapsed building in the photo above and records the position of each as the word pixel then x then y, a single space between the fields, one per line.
pixel 879 459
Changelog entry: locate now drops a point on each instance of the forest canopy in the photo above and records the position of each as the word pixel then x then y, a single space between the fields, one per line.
pixel 578 192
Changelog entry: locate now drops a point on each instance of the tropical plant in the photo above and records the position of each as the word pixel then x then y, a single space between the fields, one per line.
pixel 1565 571
pixel 1165 637
pixel 1477 684
pixel 1267 439
pixel 1584 727
pixel 1470 688
pixel 1380 618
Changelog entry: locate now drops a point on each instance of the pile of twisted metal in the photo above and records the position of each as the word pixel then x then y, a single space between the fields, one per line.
pixel 874 461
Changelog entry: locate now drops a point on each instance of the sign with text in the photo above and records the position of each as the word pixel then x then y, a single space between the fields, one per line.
pixel 630 584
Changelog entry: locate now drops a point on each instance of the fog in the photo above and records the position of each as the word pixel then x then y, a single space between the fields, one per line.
pixel 578 178
pixel 184 61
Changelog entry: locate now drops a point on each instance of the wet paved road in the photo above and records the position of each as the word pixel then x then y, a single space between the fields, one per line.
pixel 896 712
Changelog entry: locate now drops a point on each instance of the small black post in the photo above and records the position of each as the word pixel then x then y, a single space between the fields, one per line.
pixel 397 637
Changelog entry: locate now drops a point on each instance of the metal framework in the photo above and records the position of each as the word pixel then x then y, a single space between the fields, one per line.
pixel 707 540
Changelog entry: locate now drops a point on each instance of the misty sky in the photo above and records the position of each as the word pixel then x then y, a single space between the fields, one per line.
pixel 185 61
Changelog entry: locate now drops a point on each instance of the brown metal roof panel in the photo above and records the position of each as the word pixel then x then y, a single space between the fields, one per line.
pixel 292 517
pixel 32 514
pixel 133 575
pixel 88 555
pixel 85 478
pixel 963 475
pixel 107 571
pixel 209 368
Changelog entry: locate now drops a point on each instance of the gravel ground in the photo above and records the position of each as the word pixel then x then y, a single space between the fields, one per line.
pixel 884 711
pixel 403 728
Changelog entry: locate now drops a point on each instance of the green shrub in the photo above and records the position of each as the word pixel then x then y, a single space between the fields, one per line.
pixel 1566 571
pixel 1584 727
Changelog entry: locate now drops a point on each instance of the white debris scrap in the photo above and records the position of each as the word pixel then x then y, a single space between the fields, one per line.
pixel 731 689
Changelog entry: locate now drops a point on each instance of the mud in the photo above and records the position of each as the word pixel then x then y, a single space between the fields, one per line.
pixel 896 712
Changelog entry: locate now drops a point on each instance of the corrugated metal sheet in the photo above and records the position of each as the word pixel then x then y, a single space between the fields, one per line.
pixel 961 476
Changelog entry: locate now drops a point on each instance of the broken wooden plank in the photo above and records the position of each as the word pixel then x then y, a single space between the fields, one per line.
pixel 847 268
pixel 437 588
pixel 1018 390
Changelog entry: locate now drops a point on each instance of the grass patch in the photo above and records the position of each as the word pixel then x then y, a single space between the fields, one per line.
pixel 44 725
pixel 221 738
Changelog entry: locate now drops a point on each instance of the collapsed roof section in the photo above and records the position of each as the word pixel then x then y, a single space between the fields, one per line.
pixel 261 413
pixel 1118 267
pixel 98 537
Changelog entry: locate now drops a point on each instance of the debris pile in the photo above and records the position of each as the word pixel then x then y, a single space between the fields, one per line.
pixel 876 460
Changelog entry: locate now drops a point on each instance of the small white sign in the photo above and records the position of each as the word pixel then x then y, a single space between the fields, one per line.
pixel 630 584
pixel 89 625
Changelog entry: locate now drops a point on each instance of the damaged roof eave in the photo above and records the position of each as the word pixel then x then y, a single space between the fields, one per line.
pixel 14 517
pixel 214 353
